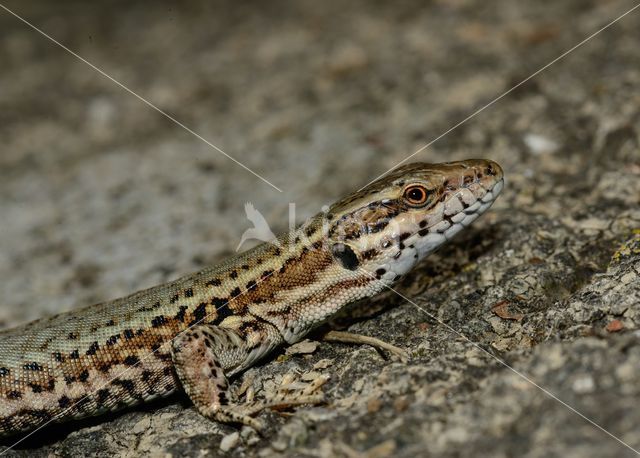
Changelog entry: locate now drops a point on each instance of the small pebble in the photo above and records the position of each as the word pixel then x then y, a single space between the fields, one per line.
pixel 229 441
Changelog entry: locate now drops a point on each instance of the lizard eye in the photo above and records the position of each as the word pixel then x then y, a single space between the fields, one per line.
pixel 415 195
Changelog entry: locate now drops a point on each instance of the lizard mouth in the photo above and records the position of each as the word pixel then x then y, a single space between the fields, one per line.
pixel 464 206
pixel 459 209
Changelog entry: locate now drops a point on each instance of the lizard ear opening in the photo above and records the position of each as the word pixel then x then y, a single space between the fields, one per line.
pixel 345 255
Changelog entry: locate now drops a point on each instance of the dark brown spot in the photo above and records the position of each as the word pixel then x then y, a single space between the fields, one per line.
pixel 188 292
pixel 83 403
pixel 15 394
pixel 214 282
pixel 247 327
pixel 222 309
pixel 128 334
pixel 35 387
pixel 158 321
pixel 72 336
pixel 199 313
pixel 236 292
pixel 218 303
pixel 251 285
pixel 93 349
pixel 345 256
pixel 74 354
pixel 41 415
pixel 369 254
pixel 377 226
pixel 33 366
pixel 180 315
pixel 174 299
pixel 423 232
pixel 127 385
pixel 64 402
pixel 103 396
pixel 4 371
pixel 131 360
pixel 156 305
pixel 113 340
pixel 84 376
pixel 233 274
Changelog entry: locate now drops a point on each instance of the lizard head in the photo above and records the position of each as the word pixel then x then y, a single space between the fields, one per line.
pixel 391 224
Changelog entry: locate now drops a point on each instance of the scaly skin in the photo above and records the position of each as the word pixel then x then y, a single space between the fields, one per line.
pixel 196 331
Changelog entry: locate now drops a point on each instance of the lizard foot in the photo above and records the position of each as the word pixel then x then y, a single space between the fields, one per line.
pixel 290 393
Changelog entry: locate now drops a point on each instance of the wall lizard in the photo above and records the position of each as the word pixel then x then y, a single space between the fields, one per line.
pixel 196 332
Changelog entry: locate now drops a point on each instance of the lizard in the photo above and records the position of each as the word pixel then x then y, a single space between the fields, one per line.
pixel 199 331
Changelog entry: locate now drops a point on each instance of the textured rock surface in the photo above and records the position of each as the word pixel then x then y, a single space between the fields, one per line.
pixel 102 196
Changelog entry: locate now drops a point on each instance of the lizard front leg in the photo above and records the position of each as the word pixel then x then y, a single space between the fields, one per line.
pixel 205 355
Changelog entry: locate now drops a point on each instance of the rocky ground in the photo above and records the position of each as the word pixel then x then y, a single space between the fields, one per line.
pixel 523 333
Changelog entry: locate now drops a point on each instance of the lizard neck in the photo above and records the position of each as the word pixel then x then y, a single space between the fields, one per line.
pixel 294 284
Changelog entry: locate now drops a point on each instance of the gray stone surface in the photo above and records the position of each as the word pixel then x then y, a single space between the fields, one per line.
pixel 102 196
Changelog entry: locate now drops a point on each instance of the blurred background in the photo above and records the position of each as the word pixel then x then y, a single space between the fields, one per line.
pixel 100 196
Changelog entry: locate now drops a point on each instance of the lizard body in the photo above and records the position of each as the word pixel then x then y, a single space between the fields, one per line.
pixel 195 332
